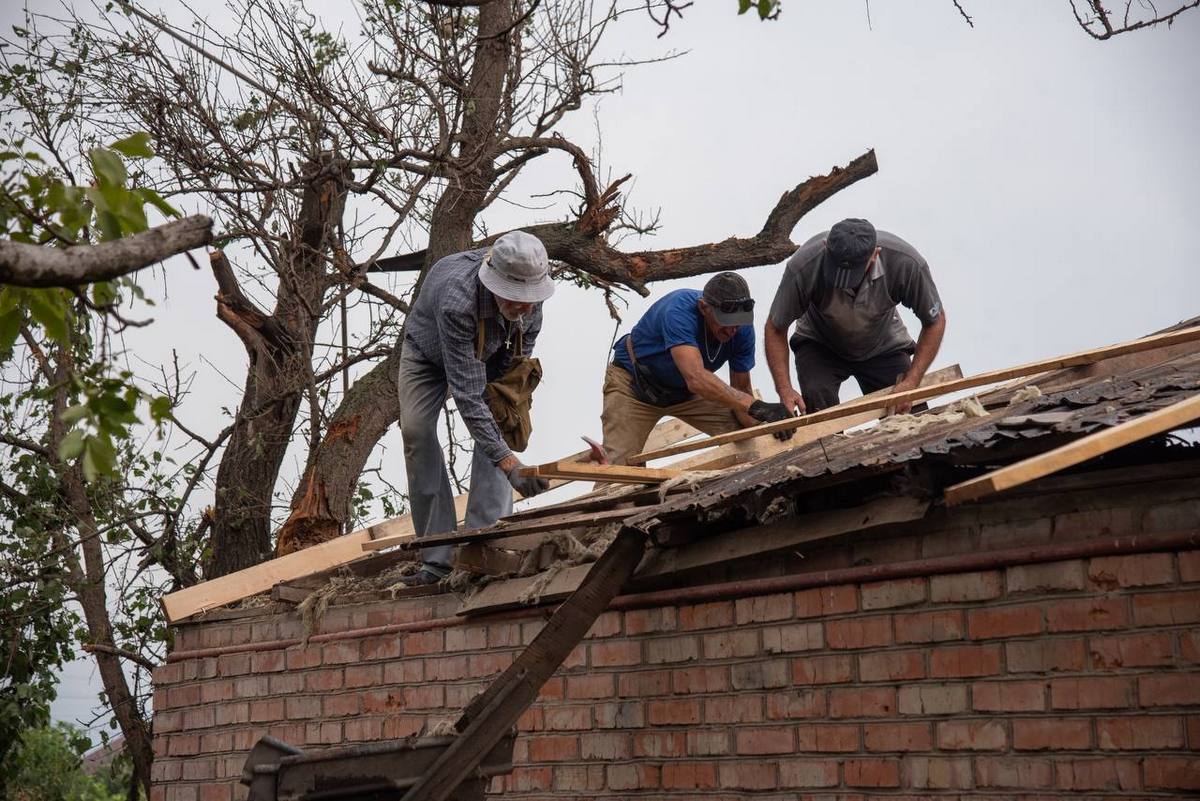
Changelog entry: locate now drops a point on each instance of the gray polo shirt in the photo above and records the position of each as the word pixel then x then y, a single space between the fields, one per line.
pixel 861 323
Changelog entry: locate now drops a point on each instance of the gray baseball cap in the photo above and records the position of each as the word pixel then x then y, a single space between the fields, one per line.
pixel 848 249
pixel 728 295
pixel 516 268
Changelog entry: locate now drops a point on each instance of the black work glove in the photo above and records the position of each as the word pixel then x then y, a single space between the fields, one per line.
pixel 528 486
pixel 765 412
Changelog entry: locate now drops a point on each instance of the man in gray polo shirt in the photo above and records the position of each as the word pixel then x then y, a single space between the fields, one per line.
pixel 841 288
pixel 460 334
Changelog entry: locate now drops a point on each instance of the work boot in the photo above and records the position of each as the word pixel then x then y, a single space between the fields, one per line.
pixel 421 578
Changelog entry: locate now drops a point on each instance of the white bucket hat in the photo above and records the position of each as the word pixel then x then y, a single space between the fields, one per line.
pixel 517 269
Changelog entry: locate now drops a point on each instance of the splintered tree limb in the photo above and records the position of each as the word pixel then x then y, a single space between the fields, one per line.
pixel 39 266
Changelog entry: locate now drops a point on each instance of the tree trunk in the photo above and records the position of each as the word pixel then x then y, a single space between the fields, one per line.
pixel 280 352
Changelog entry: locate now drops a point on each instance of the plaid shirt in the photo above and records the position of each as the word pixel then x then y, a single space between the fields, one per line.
pixel 442 328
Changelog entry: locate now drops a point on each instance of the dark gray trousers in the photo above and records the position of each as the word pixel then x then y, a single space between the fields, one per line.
pixel 821 372
pixel 423 393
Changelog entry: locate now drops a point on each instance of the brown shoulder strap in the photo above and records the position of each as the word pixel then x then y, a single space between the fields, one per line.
pixel 629 348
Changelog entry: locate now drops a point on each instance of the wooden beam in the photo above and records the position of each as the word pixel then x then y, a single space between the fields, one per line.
pixel 780 536
pixel 507 594
pixel 1073 453
pixel 500 530
pixel 260 578
pixel 612 473
pixel 475 557
pixel 843 410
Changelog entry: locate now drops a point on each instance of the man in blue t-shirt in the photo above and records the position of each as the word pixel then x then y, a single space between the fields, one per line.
pixel 666 365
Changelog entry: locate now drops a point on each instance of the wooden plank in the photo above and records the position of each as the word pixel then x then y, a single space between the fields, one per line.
pixel 507 594
pixel 1073 453
pixel 499 531
pixel 590 471
pixel 475 557
pixel 260 578
pixel 491 715
pixel 780 535
pixel 923 393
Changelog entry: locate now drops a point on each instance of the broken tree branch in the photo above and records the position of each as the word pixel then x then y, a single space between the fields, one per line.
pixel 40 266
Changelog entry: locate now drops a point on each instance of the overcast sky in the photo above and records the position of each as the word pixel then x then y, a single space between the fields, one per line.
pixel 1050 180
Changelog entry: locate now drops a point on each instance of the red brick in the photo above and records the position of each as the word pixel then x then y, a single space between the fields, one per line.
pixel 466 638
pixel 1045 656
pixel 1139 733
pixel 967 660
pixel 869 632
pixel 647 621
pixel 607 625
pixel 583 777
pixel 932 699
pixel 489 664
pixel 239 664
pixel 700 680
pixel 1005 771
pixel 708 743
pixel 216 792
pixel 321 734
pixel 268 662
pixel 396 727
pixel 1133 570
pixel 251 686
pixel 229 714
pixel 925 773
pixel 759 675
pixel 1189 646
pixel 765 741
pixel 1008 696
pixel 763 608
pixel 1167 608
pixel 567 718
pixel 340 652
pixel 892 594
pixel 1087 614
pixel 363 675
pixel 634 776
pixel 267 710
pixel 1058 734
pixel 645 682
pixel 197 769
pixel 446 668
pixel 796 637
pixel 866 702
pixel 1004 621
pixel 1170 689
pixel 890 665
pixel 286 683
pixel 616 653
pixel 656 744
pixel 672 649
pixel 360 729
pixel 1093 692
pixel 1014 533
pixel 555 688
pixel 837 737
pixel 1193 731
pixel 871 772
pixel 597 685
pixel 1189 566
pixel 1135 650
pixel 897 737
pixel 1047 577
pixel 421 643
pixel 731 644
pixel 1097 774
pixel 303 707
pixel 748 775
pixel 730 709
pixel 187 695
pixel 673 712
pixel 937 626
pixel 971 735
pixel 1172 773
pixel 380 648
pixel 213 691
pixel 559 748
pixel 823 669
pixel 689 776
pixel 423 697
pixel 808 773
pixel 607 746
pixel 706 616
pixel 825 601
pixel 963 587
pixel 530 779
pixel 408 671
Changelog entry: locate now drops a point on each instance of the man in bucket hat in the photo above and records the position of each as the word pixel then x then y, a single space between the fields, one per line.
pixel 665 367
pixel 474 309
pixel 841 288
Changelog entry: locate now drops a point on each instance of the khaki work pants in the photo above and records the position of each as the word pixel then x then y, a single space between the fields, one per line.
pixel 628 421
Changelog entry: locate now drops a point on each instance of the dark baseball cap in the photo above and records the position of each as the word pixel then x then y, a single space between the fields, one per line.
pixel 728 295
pixel 848 249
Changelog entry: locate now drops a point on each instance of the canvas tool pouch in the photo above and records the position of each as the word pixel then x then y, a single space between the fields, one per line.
pixel 510 394
pixel 648 388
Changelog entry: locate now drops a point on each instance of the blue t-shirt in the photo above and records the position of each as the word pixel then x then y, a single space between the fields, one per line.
pixel 675 319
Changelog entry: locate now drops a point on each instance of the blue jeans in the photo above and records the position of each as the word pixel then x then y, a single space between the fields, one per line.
pixel 423 393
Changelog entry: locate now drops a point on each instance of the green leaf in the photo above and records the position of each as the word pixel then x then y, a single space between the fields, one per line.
pixel 49 309
pixel 108 167
pixel 135 147
pixel 744 6
pixel 98 458
pixel 156 200
pixel 765 7
pixel 71 446
pixel 10 327
pixel 73 414
pixel 160 409
pixel 104 293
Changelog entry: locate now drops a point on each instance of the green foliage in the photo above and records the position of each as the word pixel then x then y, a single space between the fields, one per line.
pixel 45 765
pixel 767 9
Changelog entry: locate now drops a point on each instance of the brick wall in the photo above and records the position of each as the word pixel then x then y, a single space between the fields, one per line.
pixel 1032 681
